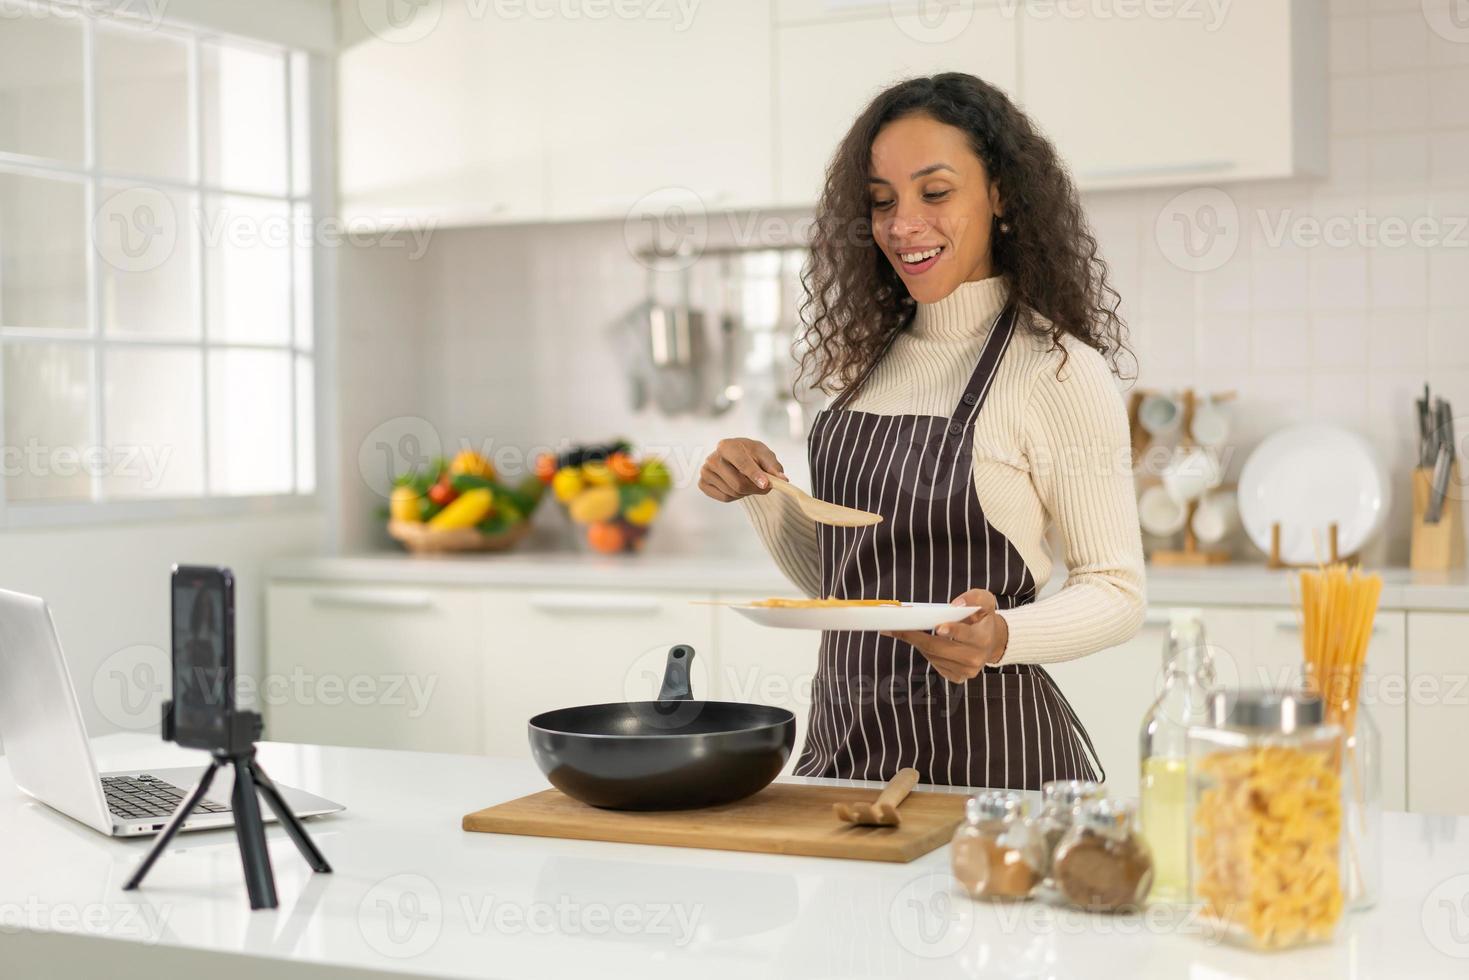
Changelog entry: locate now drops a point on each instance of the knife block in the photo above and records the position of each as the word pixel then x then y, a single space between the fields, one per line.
pixel 1437 547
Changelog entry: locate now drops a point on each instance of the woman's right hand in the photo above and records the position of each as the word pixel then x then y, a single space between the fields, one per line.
pixel 737 468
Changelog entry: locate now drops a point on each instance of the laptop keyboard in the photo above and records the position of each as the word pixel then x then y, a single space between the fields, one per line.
pixel 137 797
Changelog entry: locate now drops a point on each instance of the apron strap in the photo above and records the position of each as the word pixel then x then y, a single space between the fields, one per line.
pixel 985 369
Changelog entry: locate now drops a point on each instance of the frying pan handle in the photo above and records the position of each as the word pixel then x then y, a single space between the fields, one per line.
pixel 676 675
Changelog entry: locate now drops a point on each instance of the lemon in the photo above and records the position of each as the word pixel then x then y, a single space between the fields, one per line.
pixel 567 483
pixel 597 473
pixel 404 505
pixel 642 513
pixel 594 504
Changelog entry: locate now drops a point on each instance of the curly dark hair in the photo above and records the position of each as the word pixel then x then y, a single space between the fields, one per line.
pixel 855 301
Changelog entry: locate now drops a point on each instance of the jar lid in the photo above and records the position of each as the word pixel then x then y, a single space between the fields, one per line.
pixel 995 804
pixel 1106 814
pixel 1069 792
pixel 1265 711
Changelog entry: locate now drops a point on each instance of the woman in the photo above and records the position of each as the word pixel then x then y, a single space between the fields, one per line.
pixel 969 340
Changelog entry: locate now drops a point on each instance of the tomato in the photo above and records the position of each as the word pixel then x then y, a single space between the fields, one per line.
pixel 442 493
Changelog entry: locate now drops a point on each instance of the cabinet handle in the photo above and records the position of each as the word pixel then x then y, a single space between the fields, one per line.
pixel 1289 625
pixel 1200 168
pixel 373 600
pixel 583 602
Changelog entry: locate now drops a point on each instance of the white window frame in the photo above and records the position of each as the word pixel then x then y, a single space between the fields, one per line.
pixel 318 200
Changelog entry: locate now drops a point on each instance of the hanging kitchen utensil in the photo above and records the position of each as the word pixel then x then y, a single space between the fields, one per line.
pixel 670 754
pixel 784 415
pixel 731 334
pixel 676 345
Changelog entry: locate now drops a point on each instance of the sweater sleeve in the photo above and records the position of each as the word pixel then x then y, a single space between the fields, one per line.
pixel 1076 440
pixel 789 536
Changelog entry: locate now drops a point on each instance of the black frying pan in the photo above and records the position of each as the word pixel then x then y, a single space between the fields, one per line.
pixel 670 754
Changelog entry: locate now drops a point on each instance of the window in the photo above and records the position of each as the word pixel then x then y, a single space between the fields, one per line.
pixel 156 294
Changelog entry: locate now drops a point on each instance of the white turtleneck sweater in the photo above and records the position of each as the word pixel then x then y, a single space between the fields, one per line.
pixel 1048 450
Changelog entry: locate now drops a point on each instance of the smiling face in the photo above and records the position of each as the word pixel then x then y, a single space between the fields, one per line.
pixel 933 205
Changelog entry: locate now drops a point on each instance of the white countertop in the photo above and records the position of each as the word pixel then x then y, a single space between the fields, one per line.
pixel 713 572
pixel 414 895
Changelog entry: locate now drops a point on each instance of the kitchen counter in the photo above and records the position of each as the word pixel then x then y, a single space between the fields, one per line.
pixel 414 895
pixel 714 572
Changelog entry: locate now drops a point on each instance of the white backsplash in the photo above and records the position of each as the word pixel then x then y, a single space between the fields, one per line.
pixel 502 332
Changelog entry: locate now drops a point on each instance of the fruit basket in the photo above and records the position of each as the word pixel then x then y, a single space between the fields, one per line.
pixel 461 505
pixel 612 496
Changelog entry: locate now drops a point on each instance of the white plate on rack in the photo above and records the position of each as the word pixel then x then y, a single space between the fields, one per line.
pixel 1306 477
pixel 908 616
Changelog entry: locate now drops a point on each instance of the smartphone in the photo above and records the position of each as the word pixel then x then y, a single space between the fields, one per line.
pixel 203 614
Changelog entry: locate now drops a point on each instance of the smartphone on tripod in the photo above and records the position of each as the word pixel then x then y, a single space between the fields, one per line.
pixel 202 715
pixel 203 614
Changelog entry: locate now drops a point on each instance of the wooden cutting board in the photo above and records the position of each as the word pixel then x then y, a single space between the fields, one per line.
pixel 783 818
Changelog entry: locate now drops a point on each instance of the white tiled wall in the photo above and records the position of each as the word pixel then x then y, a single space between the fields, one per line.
pixel 503 330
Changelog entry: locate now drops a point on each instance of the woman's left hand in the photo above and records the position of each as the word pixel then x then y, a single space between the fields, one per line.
pixel 959 651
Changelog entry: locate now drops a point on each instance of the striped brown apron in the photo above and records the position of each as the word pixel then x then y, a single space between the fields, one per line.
pixel 877 703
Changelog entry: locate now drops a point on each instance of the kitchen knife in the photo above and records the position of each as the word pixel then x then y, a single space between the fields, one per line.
pixel 1440 486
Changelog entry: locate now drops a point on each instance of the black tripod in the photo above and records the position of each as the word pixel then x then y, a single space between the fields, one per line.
pixel 249 829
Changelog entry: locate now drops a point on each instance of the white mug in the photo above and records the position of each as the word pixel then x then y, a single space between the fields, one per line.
pixel 1215 516
pixel 1191 473
pixel 1160 513
pixel 1210 425
pixel 1160 414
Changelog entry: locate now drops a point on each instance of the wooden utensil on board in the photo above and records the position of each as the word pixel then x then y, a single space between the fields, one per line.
pixel 882 812
pixel 825 513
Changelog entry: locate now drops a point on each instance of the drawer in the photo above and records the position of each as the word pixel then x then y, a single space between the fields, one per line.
pixel 551 648
pixel 383 666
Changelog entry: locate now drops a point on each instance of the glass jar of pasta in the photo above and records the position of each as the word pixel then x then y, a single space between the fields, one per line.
pixel 1361 808
pixel 1265 818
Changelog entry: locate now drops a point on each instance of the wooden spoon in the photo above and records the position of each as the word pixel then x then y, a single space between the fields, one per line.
pixel 882 812
pixel 825 513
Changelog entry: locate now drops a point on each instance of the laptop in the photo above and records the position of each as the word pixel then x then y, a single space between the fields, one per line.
pixel 46 743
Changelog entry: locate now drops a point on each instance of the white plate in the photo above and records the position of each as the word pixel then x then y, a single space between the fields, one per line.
pixel 1306 477
pixel 908 616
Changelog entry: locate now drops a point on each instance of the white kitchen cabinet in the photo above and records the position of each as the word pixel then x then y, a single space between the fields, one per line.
pixel 438 122
pixel 828 70
pixel 640 111
pixel 381 666
pixel 1438 711
pixel 1113 689
pixel 1148 100
pixel 553 648
pixel 765 666
pixel 1277 659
